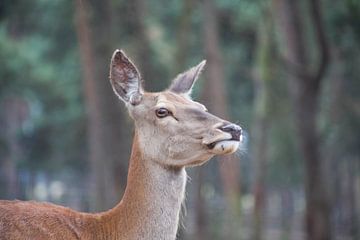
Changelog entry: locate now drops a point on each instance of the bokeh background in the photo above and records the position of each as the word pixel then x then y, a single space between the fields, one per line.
pixel 286 71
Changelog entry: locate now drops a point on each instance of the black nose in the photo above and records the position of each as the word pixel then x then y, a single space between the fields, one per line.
pixel 233 129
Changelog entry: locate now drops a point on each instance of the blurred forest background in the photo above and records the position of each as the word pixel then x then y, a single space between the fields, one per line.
pixel 287 71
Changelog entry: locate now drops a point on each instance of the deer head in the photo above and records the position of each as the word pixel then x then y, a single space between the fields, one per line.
pixel 173 130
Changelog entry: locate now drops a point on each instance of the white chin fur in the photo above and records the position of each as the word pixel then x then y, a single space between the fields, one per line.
pixel 226 147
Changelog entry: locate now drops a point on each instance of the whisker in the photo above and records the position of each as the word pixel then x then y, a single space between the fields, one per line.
pixel 243 147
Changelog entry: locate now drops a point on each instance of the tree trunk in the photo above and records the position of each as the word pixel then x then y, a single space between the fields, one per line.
pixel 214 95
pixel 106 126
pixel 337 112
pixel 145 56
pixel 15 112
pixel 264 76
pixel 200 206
pixel 183 32
pixel 304 86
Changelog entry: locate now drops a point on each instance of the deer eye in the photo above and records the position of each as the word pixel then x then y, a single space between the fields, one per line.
pixel 162 112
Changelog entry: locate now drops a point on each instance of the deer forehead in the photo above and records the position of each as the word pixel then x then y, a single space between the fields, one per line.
pixel 172 101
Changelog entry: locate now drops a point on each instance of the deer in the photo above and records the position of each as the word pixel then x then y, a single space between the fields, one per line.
pixel 172 132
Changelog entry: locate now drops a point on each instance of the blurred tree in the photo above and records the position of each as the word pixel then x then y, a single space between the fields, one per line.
pixel 184 30
pixel 107 161
pixel 143 48
pixel 15 111
pixel 336 123
pixel 305 85
pixel 145 55
pixel 263 79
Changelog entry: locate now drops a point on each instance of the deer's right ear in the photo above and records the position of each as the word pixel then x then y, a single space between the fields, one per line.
pixel 125 78
pixel 184 82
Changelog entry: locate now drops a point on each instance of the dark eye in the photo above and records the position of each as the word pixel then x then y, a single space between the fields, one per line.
pixel 162 112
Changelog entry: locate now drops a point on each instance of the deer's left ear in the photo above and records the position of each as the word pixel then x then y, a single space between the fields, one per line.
pixel 184 82
pixel 125 78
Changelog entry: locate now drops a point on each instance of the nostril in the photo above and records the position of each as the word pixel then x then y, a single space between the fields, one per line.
pixel 230 127
pixel 233 129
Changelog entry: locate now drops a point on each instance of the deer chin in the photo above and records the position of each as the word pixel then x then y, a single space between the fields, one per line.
pixel 223 147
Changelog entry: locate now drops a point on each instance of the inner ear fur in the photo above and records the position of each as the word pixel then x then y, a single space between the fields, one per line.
pixel 125 78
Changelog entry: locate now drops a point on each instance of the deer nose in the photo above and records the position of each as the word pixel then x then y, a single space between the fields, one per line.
pixel 233 129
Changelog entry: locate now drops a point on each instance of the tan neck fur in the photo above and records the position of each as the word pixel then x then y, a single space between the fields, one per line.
pixel 149 210
pixel 152 201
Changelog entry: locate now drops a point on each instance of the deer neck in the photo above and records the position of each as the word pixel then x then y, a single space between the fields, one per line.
pixel 152 200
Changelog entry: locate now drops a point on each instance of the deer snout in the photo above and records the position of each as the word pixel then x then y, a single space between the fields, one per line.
pixel 233 129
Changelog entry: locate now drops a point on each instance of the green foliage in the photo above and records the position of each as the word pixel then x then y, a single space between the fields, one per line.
pixel 40 64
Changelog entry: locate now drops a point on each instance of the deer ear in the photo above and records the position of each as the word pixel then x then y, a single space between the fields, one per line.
pixel 125 78
pixel 184 82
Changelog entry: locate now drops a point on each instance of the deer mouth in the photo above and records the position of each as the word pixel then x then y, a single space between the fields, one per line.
pixel 213 144
pixel 234 138
pixel 224 146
